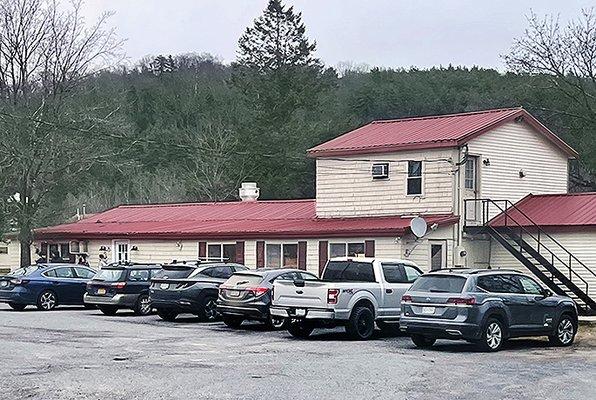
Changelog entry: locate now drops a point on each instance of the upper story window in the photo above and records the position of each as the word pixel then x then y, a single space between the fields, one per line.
pixel 470 175
pixel 414 178
pixel 3 249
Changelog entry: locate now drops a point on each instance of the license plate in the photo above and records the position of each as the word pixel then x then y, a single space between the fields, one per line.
pixel 233 293
pixel 428 310
pixel 164 286
pixel 300 312
pixel 101 291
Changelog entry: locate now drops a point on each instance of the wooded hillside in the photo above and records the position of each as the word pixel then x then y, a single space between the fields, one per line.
pixel 190 128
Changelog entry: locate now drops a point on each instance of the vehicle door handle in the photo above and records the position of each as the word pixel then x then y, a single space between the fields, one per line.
pixel 389 291
pixel 299 292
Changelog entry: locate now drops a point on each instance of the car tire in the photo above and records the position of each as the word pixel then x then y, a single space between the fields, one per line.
pixel 47 301
pixel 300 329
pixel 208 311
pixel 564 333
pixel 169 316
pixel 232 321
pixel 361 324
pixel 493 336
pixel 108 310
pixel 424 342
pixel 276 323
pixel 89 306
pixel 143 305
pixel 17 306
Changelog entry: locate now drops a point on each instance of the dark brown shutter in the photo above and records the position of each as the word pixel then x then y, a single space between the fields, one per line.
pixel 369 248
pixel 323 250
pixel 302 256
pixel 260 254
pixel 240 252
pixel 202 249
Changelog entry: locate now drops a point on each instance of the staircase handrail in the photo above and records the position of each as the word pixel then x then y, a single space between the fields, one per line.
pixel 506 216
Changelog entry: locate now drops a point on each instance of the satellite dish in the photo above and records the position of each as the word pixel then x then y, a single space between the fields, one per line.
pixel 418 226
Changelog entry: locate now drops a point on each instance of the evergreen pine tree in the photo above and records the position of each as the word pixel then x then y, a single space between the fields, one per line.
pixel 276 40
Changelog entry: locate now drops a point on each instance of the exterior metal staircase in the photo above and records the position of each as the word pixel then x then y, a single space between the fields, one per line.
pixel 537 250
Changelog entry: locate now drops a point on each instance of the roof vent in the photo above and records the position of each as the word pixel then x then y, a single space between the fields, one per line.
pixel 249 191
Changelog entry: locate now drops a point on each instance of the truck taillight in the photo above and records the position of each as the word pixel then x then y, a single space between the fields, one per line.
pixel 406 298
pixel 332 295
pixel 462 300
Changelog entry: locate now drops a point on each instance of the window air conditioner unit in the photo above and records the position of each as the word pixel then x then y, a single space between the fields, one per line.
pixel 380 171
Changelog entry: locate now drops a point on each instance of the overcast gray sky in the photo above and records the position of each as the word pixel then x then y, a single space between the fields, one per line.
pixel 389 33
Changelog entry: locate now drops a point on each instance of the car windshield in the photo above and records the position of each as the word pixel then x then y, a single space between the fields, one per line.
pixel 175 272
pixel 439 284
pixel 109 275
pixel 24 271
pixel 244 280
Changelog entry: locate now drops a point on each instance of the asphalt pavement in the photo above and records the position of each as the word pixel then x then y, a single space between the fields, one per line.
pixel 81 354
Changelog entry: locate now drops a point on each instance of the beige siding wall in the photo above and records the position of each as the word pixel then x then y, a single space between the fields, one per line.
pixel 12 259
pixel 418 250
pixel 511 148
pixel 345 187
pixel 580 244
pixel 157 251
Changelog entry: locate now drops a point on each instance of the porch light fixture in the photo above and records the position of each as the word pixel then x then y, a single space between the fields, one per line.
pixel 134 248
pixel 486 162
pixel 103 248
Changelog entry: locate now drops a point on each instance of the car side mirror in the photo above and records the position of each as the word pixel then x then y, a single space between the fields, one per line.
pixel 547 292
pixel 299 282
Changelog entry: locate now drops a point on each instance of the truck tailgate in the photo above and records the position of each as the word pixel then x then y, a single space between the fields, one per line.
pixel 312 295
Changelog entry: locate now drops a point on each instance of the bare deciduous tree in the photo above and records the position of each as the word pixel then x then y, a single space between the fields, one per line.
pixel 48 135
pixel 214 169
pixel 565 56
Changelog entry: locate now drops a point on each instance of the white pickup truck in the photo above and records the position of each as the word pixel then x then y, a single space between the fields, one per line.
pixel 354 292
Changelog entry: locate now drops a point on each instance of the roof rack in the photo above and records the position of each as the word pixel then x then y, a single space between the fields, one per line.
pixel 127 264
pixel 478 271
pixel 456 269
pixel 201 260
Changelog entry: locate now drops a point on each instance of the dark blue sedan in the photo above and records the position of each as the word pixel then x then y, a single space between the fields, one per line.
pixel 45 286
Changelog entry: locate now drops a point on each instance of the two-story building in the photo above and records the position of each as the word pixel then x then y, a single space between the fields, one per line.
pixel 371 182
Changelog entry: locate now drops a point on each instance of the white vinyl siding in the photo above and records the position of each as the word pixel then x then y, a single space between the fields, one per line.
pixel 575 242
pixel 514 147
pixel 345 187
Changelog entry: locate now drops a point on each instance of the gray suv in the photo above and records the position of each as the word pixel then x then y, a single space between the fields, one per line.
pixel 486 307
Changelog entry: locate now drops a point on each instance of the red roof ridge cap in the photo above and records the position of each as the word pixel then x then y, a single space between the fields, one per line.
pixel 422 117
pixel 210 203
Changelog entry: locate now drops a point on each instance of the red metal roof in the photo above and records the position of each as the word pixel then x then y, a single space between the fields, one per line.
pixel 428 132
pixel 553 210
pixel 232 220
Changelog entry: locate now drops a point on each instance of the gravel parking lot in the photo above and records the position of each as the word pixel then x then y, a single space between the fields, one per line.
pixel 82 354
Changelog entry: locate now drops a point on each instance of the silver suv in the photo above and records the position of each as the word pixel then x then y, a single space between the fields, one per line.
pixel 486 307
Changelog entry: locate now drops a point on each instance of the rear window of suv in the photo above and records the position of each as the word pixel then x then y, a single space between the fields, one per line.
pixel 439 284
pixel 244 280
pixel 349 271
pixel 109 275
pixel 175 272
